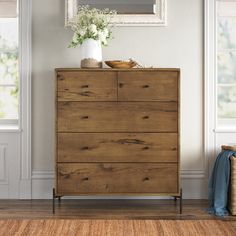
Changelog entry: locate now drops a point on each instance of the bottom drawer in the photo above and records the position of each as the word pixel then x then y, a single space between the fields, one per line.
pixel 116 178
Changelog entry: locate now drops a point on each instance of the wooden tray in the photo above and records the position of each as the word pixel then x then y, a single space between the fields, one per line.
pixel 121 64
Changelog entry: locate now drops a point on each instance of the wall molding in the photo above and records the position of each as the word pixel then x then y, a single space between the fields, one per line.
pixel 43 174
pixel 25 98
pixel 3 164
pixel 209 84
pixel 193 174
pixel 193 183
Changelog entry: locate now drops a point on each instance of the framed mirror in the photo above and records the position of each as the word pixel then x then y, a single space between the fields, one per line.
pixel 129 12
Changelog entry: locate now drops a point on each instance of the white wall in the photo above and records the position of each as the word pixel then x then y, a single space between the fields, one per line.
pixel 180 44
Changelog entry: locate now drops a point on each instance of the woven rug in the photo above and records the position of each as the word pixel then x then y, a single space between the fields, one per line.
pixel 116 227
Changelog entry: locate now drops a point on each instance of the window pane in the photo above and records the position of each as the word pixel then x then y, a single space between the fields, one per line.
pixel 9 72
pixel 227 33
pixel 226 102
pixel 9 68
pixel 226 62
pixel 226 67
pixel 8 34
pixel 8 103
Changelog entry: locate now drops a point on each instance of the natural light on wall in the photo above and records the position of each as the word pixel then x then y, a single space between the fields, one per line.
pixel 9 72
pixel 226 62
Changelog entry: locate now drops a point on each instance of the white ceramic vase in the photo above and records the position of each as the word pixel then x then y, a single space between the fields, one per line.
pixel 91 54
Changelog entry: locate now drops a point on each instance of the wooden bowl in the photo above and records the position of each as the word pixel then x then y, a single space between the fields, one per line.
pixel 121 64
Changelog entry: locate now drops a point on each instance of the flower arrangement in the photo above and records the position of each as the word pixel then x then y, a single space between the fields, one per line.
pixel 91 23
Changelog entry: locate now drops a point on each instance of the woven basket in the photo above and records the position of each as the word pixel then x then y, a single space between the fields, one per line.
pixel 232 192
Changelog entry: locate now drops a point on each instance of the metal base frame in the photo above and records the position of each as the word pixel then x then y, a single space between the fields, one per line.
pixel 180 201
pixel 54 196
pixel 180 197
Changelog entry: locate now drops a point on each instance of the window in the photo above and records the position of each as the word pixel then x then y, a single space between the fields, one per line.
pixel 226 62
pixel 9 69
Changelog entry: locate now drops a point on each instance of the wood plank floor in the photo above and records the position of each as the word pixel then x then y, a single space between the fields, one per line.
pixel 108 209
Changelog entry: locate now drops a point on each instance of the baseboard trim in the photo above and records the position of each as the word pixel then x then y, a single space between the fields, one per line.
pixel 25 189
pixel 193 182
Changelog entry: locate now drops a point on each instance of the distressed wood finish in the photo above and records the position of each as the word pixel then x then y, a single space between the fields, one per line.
pixel 117 132
pixel 152 86
pixel 117 117
pixel 117 147
pixel 86 86
pixel 116 178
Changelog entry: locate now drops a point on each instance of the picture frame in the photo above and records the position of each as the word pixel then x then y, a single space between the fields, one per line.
pixel 157 19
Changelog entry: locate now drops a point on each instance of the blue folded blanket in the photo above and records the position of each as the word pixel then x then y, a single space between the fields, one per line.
pixel 219 184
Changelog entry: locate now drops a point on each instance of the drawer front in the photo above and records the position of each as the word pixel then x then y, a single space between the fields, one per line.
pixel 86 86
pixel 105 178
pixel 151 86
pixel 117 147
pixel 117 117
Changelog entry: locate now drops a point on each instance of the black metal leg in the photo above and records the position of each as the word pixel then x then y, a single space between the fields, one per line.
pixel 59 199
pixel 181 202
pixel 53 201
pixel 175 198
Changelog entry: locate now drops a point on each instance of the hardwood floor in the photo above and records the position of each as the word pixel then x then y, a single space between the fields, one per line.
pixel 106 209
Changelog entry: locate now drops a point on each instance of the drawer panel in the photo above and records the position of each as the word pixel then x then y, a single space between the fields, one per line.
pixel 86 86
pixel 117 117
pixel 151 86
pixel 117 147
pixel 105 178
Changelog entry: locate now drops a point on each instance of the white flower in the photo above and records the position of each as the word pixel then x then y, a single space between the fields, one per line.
pixel 106 32
pixel 101 36
pixel 104 42
pixel 91 23
pixel 82 32
pixel 75 38
pixel 93 29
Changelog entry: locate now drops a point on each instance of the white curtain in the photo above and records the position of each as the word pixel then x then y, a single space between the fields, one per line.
pixel 8 8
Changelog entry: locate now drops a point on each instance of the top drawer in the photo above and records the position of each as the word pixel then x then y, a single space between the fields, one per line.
pixel 148 86
pixel 86 86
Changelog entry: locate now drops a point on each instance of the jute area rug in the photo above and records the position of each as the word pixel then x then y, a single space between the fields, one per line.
pixel 115 227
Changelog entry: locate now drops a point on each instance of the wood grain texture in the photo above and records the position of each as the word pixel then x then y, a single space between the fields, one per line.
pixel 116 178
pixel 116 227
pixel 117 131
pixel 152 86
pixel 86 86
pixel 117 147
pixel 117 117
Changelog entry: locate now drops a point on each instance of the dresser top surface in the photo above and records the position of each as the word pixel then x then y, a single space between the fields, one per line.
pixel 117 70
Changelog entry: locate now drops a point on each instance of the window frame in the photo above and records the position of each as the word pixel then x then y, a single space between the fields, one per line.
pixel 221 123
pixel 14 123
pixel 213 132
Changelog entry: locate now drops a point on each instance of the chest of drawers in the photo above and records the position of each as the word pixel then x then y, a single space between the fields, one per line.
pixel 117 132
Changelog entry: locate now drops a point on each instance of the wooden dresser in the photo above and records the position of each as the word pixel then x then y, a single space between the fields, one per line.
pixel 117 132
